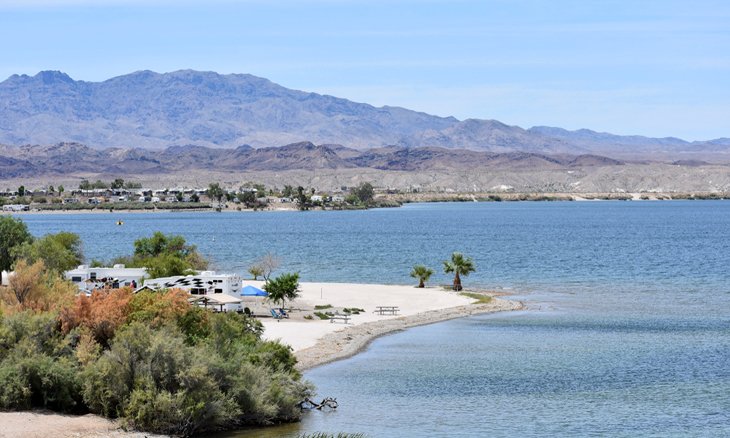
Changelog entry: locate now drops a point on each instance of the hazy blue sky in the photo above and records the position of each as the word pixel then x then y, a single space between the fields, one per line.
pixel 659 68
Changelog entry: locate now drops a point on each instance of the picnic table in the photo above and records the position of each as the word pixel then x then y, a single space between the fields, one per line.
pixel 337 317
pixel 387 310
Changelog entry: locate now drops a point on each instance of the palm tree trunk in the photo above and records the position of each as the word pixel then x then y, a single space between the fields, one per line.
pixel 420 283
pixel 457 281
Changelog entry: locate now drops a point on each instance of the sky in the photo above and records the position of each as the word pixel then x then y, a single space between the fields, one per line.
pixel 657 67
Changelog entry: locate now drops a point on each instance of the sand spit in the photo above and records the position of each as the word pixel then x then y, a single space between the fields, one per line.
pixel 350 341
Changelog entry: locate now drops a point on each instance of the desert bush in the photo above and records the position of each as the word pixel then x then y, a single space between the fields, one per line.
pixel 102 313
pixel 159 308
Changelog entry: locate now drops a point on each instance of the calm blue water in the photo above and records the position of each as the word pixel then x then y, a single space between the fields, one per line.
pixel 627 332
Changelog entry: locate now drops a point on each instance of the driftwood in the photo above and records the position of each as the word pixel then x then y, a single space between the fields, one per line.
pixel 327 402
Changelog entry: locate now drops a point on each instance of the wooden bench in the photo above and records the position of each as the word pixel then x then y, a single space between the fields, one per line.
pixel 344 318
pixel 387 310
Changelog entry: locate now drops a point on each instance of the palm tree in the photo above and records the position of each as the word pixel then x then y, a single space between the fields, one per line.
pixel 422 273
pixel 459 265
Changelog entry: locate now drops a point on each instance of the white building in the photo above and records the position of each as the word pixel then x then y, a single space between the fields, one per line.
pixel 15 207
pixel 89 279
pixel 204 283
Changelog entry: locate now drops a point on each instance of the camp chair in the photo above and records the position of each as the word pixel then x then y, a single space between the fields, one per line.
pixel 275 314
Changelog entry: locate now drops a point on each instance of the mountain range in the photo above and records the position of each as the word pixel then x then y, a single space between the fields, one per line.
pixel 148 110
pixel 74 158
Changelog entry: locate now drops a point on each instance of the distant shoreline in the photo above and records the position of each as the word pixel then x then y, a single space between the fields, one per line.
pixel 425 198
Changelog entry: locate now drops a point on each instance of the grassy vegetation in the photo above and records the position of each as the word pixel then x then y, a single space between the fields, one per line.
pixel 480 298
pixel 321 315
pixel 322 306
pixel 353 310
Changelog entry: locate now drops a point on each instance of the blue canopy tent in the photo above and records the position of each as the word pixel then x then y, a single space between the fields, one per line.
pixel 250 291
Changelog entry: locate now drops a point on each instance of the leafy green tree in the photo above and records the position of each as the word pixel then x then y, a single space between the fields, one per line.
pixel 459 265
pixel 421 273
pixel 364 193
pixel 247 198
pixel 21 191
pixel 165 256
pixel 302 198
pixel 117 183
pixel 60 190
pixel 59 252
pixel 51 189
pixel 13 233
pixel 282 288
pixel 215 192
pixel 194 197
pixel 84 185
pixel 288 191
pixel 256 270
pixel 159 244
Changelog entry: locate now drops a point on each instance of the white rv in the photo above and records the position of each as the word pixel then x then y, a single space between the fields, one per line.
pixel 204 283
pixel 117 276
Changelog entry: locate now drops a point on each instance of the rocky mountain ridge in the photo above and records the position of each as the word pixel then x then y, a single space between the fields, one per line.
pixel 74 158
pixel 151 110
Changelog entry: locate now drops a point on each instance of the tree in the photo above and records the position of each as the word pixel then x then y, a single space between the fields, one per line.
pixel 194 198
pixel 247 198
pixel 13 233
pixel 288 192
pixel 59 252
pixel 301 198
pixel 165 256
pixel 60 190
pixel 84 185
pixel 422 273
pixel 282 288
pixel 27 281
pixel 21 191
pixel 215 192
pixel 256 271
pixel 459 265
pixel 117 183
pixel 51 189
pixel 268 264
pixel 99 184
pixel 364 193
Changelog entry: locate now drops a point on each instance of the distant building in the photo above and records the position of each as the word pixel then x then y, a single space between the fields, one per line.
pixel 16 207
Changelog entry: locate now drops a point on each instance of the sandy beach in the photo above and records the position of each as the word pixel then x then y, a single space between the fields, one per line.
pixel 314 341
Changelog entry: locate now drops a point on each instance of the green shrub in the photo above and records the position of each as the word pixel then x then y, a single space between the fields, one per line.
pixel 15 392
pixel 323 306
pixel 39 381
pixel 322 315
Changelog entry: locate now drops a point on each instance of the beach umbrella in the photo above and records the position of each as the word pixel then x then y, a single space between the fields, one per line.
pixel 250 291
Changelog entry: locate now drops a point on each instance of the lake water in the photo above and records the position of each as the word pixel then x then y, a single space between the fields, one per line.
pixel 627 331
